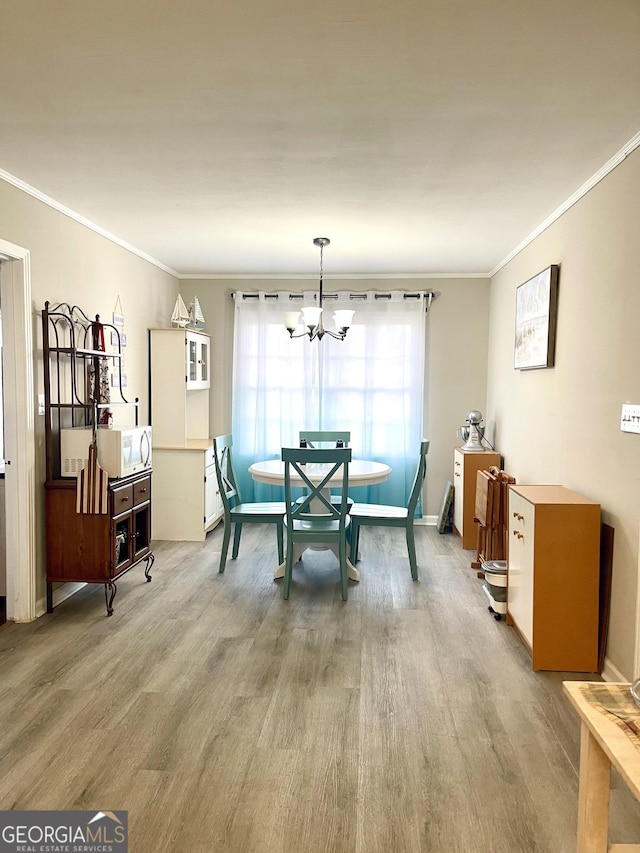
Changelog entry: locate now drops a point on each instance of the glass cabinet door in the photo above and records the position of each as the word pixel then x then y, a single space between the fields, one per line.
pixel 142 530
pixel 192 358
pixel 197 361
pixel 204 361
pixel 121 543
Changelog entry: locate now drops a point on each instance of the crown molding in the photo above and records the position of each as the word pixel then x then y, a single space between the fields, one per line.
pixel 334 276
pixel 608 167
pixel 66 211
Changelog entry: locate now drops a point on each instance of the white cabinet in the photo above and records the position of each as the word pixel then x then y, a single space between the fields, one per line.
pixel 466 465
pixel 185 484
pixel 180 380
pixel 187 502
pixel 553 576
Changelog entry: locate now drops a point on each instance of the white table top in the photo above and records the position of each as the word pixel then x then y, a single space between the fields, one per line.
pixel 361 472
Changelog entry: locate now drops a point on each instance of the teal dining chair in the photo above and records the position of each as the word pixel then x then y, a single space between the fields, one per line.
pixel 392 516
pixel 316 519
pixel 321 438
pixel 315 438
pixel 237 513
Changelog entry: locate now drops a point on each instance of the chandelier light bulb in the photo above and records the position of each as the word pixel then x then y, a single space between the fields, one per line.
pixel 311 316
pixel 343 318
pixel 292 320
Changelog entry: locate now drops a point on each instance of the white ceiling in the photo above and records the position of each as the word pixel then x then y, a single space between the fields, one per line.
pixel 421 136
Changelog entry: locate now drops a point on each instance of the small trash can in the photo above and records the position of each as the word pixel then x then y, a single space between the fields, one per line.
pixel 495 586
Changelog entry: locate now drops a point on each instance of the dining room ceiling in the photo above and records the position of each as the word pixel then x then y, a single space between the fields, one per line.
pixel 421 136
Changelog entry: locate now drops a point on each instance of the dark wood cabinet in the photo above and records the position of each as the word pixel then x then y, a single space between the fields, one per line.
pixel 98 548
pixel 85 546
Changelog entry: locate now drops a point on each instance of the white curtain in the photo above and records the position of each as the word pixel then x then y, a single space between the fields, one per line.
pixel 371 383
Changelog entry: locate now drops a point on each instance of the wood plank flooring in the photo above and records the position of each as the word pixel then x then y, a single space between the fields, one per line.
pixel 226 719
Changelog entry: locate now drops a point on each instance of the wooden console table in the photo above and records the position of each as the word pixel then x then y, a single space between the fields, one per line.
pixel 603 743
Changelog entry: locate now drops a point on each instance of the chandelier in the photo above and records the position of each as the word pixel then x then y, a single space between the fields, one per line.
pixel 312 315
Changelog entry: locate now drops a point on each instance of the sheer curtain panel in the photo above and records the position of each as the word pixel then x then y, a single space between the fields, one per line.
pixel 372 384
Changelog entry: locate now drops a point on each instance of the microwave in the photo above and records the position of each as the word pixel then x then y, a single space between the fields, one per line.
pixel 121 450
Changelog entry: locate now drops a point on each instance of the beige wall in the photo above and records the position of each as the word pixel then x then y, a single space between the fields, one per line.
pixel 562 425
pixel 455 363
pixel 71 263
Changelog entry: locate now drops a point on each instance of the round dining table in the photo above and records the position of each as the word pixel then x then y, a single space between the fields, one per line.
pixel 362 472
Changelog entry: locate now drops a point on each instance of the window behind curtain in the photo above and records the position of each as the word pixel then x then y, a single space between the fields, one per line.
pixel 371 384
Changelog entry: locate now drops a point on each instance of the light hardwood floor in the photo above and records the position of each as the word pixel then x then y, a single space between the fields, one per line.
pixel 226 719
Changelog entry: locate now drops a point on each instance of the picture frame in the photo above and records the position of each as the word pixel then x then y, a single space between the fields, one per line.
pixel 536 316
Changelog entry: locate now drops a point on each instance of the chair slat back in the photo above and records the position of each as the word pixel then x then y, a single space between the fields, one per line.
pixel 418 480
pixel 225 471
pixel 324 436
pixel 295 460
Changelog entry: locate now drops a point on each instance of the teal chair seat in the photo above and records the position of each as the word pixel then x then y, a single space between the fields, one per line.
pixel 392 516
pixel 381 511
pixel 316 519
pixel 237 513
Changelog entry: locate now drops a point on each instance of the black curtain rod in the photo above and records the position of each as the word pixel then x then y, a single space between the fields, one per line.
pixel 409 294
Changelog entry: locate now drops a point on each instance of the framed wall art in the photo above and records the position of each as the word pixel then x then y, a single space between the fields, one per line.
pixel 536 311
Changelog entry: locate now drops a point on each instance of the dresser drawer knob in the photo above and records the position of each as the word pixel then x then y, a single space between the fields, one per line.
pixel 518 516
pixel 518 534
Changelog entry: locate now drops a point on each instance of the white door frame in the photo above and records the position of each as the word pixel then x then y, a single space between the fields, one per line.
pixel 19 425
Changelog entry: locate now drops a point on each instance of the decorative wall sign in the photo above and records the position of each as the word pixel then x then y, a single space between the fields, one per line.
pixel 118 315
pixel 536 310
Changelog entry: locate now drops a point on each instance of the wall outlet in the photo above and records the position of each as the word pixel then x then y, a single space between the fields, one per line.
pixel 41 404
pixel 630 419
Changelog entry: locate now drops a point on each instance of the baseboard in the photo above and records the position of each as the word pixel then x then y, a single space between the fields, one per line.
pixel 60 594
pixel 428 520
pixel 612 673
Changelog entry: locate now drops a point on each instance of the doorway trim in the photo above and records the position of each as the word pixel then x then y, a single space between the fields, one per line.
pixel 19 422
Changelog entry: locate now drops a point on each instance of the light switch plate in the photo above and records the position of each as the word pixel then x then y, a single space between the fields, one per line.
pixel 630 419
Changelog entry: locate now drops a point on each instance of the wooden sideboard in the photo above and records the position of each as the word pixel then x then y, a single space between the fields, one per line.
pixel 98 548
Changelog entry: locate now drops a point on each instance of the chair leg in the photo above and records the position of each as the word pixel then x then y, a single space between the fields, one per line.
pixel 342 550
pixel 280 537
pixel 355 537
pixel 411 548
pixel 226 536
pixel 236 541
pixel 288 569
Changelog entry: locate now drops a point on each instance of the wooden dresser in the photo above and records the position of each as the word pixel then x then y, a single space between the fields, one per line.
pixel 553 576
pixel 466 465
